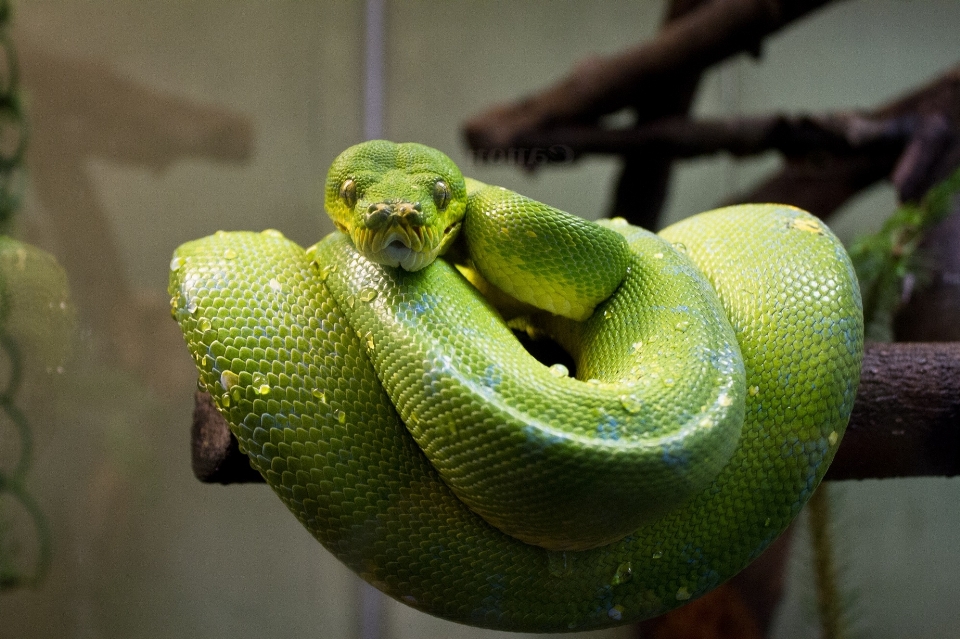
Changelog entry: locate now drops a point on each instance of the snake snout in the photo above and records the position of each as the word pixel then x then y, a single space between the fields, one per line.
pixel 381 214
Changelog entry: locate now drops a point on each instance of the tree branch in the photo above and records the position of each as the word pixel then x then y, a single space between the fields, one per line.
pixel 644 180
pixel 914 141
pixel 906 418
pixel 680 138
pixel 684 47
pixel 905 422
pixel 823 182
pixel 216 456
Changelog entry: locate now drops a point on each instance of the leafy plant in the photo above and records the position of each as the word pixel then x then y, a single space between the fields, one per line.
pixel 887 261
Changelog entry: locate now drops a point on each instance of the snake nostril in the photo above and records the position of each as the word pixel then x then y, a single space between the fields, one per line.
pixel 377 215
pixel 411 213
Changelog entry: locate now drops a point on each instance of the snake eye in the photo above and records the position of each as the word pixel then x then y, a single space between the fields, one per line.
pixel 348 193
pixel 441 194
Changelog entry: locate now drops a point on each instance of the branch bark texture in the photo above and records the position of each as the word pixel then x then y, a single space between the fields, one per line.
pixel 905 422
pixel 712 32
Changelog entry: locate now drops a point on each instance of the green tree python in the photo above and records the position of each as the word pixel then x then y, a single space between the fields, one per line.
pixel 385 398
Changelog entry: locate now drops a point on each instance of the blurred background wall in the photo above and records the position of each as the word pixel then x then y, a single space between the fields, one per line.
pixel 157 122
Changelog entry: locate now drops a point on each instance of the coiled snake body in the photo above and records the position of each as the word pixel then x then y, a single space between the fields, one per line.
pixel 388 404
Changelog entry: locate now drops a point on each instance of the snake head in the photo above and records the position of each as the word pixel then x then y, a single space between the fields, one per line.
pixel 401 204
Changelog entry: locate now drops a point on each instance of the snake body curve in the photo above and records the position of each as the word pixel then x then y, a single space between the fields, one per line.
pixel 388 407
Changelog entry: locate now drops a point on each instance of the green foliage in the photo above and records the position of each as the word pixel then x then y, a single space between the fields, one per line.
pixel 884 260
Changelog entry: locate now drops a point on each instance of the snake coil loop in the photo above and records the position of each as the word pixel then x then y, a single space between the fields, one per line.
pixel 395 414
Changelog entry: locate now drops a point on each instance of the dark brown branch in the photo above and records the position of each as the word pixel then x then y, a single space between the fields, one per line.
pixel 930 306
pixel 906 419
pixel 679 138
pixel 917 168
pixel 644 180
pixel 905 422
pixel 820 184
pixel 823 182
pixel 216 456
pixel 687 46
pixel 914 141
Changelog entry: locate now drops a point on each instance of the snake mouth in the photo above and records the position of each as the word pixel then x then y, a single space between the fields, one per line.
pixel 399 253
pixel 408 247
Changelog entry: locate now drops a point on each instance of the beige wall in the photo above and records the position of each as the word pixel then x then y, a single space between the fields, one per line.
pixel 160 121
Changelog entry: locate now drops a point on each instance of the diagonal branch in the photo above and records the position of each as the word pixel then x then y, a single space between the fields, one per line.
pixel 822 182
pixel 681 138
pixel 711 33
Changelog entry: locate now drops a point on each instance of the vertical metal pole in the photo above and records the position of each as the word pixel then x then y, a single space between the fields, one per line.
pixel 369 599
pixel 374 81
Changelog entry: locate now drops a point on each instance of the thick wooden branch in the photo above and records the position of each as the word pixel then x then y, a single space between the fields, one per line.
pixel 930 297
pixel 914 141
pixel 905 422
pixel 684 47
pixel 823 182
pixel 216 456
pixel 642 186
pixel 680 138
pixel 906 418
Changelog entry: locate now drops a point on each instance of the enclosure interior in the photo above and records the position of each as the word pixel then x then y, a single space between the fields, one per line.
pixel 153 123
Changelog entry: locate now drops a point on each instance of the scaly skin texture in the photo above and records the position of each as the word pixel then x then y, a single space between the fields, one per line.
pixel 398 419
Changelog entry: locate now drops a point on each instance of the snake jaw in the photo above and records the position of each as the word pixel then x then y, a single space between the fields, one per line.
pixel 410 247
pixel 402 249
